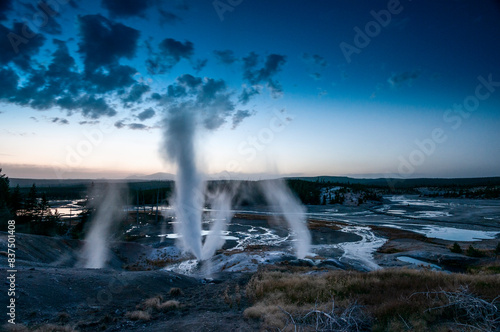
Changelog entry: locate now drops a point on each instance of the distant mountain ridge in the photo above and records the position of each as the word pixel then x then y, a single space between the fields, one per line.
pixel 417 182
pixel 152 177
pixel 382 182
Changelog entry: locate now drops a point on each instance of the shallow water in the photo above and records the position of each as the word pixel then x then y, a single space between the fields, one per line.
pixel 418 262
pixel 456 234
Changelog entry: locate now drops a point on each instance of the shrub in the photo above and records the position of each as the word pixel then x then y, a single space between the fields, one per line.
pixel 473 252
pixel 456 248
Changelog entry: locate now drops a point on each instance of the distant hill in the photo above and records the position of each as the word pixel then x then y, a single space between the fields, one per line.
pixel 152 177
pixel 405 183
pixel 380 182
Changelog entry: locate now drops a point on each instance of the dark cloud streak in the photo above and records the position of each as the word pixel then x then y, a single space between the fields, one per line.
pixel 226 57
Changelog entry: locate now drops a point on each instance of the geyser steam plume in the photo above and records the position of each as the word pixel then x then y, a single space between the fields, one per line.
pixel 284 202
pixel 109 210
pixel 193 103
pixel 189 187
pixel 221 215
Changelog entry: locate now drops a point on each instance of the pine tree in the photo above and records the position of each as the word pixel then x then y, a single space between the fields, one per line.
pixel 16 200
pixel 4 200
pixel 4 190
pixel 44 205
pixel 31 204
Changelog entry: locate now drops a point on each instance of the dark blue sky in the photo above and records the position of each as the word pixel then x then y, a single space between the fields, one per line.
pixel 364 88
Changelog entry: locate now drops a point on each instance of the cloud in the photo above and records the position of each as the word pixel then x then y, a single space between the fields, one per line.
pixel 315 59
pixel 15 48
pixel 316 76
pixel 266 74
pixel 170 53
pixel 209 99
pixel 42 86
pixel 60 85
pixel 90 106
pixel 120 124
pixel 50 24
pixel 94 122
pixel 176 50
pixel 226 57
pixel 398 80
pixel 5 7
pixel 272 66
pixel 112 78
pixel 9 80
pixel 146 114
pixel 249 62
pixel 136 93
pixel 104 43
pixel 126 8
pixel 133 126
pixel 59 121
pixel 137 126
pixel 248 92
pixel 199 65
pixel 167 17
pixel 239 116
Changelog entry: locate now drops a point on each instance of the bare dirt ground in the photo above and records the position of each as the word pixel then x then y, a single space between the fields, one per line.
pixel 50 292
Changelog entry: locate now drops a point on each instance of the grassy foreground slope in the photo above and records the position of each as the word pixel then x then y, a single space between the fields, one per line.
pixel 384 300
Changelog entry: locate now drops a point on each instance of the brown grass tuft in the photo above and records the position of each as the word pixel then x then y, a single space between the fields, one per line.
pixel 169 305
pixel 175 291
pixel 151 303
pixel 138 315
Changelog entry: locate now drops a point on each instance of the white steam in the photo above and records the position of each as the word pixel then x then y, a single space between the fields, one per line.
pixel 283 201
pixel 221 214
pixel 95 252
pixel 189 187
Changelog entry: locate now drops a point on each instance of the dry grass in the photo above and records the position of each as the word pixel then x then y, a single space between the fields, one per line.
pixel 175 291
pixel 231 298
pixel 156 304
pixel 392 298
pixel 492 267
pixel 169 305
pixel 138 315
pixel 151 303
